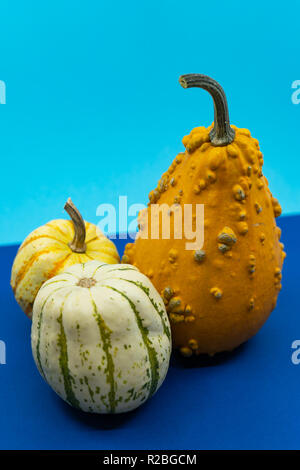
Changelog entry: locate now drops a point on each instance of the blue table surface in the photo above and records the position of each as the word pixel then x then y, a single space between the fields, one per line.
pixel 248 399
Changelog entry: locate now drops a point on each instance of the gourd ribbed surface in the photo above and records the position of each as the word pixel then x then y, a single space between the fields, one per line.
pixel 101 337
pixel 45 253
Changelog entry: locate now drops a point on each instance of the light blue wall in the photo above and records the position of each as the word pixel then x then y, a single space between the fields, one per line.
pixel 94 109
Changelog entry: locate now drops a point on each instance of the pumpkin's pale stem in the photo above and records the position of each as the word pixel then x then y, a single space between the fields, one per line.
pixel 222 133
pixel 78 243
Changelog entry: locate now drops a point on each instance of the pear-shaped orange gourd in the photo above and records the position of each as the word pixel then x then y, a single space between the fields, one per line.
pixel 219 295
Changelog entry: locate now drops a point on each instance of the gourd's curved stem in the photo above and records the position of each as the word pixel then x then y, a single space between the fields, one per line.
pixel 222 133
pixel 78 243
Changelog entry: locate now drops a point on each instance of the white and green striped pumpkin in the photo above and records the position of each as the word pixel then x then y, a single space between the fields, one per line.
pixel 101 337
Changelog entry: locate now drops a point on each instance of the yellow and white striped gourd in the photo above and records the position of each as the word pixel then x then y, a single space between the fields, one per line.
pixel 101 337
pixel 50 249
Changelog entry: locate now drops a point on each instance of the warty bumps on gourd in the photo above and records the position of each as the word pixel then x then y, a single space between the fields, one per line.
pixel 219 296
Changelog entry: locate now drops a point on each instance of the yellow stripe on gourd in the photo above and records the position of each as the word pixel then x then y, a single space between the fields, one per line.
pixel 50 249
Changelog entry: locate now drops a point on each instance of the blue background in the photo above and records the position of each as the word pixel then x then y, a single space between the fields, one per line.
pixel 94 109
pixel 248 399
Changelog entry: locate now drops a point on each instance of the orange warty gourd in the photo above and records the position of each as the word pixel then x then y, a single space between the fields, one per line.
pixel 218 296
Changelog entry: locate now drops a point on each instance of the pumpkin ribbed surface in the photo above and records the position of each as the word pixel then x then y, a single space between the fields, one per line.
pixel 101 337
pixel 45 253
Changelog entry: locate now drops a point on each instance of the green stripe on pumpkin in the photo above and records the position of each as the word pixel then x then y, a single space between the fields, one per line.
pixel 63 360
pixel 144 332
pixel 39 324
pixel 146 290
pixel 105 333
pixel 89 389
pixel 71 274
pixel 98 267
pixel 53 282
pixel 121 269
